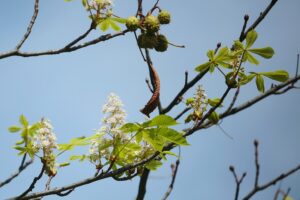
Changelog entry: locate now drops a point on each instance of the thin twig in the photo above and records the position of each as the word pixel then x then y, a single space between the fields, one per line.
pixel 136 38
pixel 126 178
pixel 257 166
pixel 246 18
pixel 80 37
pixel 48 183
pixel 174 173
pixel 32 185
pixel 233 100
pixel 63 49
pixel 238 181
pixel 148 84
pixel 61 194
pixel 272 182
pixel 31 23
pixel 17 173
pixel 259 19
pixel 182 113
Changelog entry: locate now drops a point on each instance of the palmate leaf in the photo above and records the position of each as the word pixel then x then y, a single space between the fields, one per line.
pixel 160 120
pixel 151 136
pixel 203 67
pixel 260 83
pixel 119 20
pixel 214 102
pixel 251 38
pixel 153 165
pixel 214 117
pixel 14 129
pixel 23 121
pixel 251 58
pixel 130 127
pixel 266 52
pixel 172 136
pixel 279 75
pixel 104 25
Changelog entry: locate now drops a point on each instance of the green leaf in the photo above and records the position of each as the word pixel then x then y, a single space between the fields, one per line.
pixel 151 136
pixel 139 136
pixel 119 20
pixel 250 38
pixel 170 153
pixel 68 0
pixel 20 142
pixel 214 102
pixel 84 2
pixel 64 164
pixel 238 45
pixel 78 157
pixel 153 165
pixel 214 117
pixel 189 101
pixel 114 26
pixel 133 147
pixel 202 67
pixel 172 136
pixel 288 198
pixel 260 83
pixel 14 129
pixel 130 127
pixel 104 25
pixel 247 80
pixel 222 54
pixel 251 58
pixel 279 75
pixel 23 121
pixel 160 120
pixel 211 54
pixel 266 52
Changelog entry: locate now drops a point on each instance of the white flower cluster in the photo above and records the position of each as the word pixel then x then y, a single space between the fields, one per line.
pixel 200 100
pixel 100 4
pixel 115 114
pixel 114 118
pixel 45 138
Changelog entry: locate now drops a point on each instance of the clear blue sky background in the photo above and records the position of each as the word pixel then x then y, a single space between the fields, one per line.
pixel 71 88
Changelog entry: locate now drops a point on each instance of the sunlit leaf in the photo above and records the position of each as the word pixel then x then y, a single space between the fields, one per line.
pixel 23 121
pixel 279 75
pixel 260 83
pixel 130 127
pixel 266 52
pixel 172 136
pixel 14 129
pixel 203 67
pixel 64 164
pixel 250 38
pixel 213 102
pixel 214 117
pixel 251 58
pixel 160 120
pixel 153 165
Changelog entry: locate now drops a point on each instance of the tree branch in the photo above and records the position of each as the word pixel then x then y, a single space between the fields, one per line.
pixel 17 173
pixel 259 19
pixel 142 184
pixel 31 23
pixel 174 173
pixel 32 185
pixel 66 48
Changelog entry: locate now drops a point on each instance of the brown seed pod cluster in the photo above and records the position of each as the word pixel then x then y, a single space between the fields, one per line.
pixel 150 26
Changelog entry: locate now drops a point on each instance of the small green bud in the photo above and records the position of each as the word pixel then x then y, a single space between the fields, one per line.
pixel 164 17
pixel 147 41
pixel 162 43
pixel 132 23
pixel 151 23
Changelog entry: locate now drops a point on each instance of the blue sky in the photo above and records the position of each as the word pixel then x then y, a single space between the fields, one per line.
pixel 71 88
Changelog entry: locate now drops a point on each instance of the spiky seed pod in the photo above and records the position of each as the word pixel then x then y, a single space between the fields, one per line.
pixel 151 23
pixel 147 41
pixel 132 23
pixel 162 43
pixel 164 17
